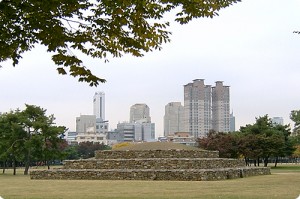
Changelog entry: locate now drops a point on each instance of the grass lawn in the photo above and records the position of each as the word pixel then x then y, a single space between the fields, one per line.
pixel 283 183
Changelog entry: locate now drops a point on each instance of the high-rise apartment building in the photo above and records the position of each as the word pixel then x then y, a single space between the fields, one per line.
pixel 220 107
pixel 197 106
pixel 139 112
pixel 173 118
pixel 206 108
pixel 99 105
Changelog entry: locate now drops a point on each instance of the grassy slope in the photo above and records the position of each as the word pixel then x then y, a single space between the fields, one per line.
pixel 283 183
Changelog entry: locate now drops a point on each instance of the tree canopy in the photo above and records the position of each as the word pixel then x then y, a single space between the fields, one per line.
pixel 260 140
pixel 30 135
pixel 295 117
pixel 99 29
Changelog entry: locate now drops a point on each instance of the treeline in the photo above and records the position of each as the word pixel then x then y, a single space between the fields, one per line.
pixel 255 143
pixel 84 150
pixel 30 138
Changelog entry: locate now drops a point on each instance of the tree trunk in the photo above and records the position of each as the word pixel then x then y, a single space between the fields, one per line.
pixel 48 165
pixel 276 161
pixel 246 162
pixel 266 161
pixel 258 161
pixel 4 166
pixel 14 167
pixel 27 162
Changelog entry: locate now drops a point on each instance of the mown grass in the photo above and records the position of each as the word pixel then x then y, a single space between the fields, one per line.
pixel 284 183
pixel 286 168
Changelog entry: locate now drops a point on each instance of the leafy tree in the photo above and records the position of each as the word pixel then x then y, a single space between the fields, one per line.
pixel 249 147
pixel 225 143
pixel 99 29
pixel 30 135
pixel 71 153
pixel 87 149
pixel 296 153
pixel 260 140
pixel 295 117
pixel 264 140
pixel 289 145
pixel 12 143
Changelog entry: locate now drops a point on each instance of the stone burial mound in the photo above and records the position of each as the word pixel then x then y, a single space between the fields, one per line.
pixel 153 161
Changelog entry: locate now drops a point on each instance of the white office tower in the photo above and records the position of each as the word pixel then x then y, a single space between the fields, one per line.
pixel 99 105
pixel 220 108
pixel 139 113
pixel 173 118
pixel 197 108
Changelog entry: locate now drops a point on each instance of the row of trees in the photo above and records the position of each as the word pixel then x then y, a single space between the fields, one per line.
pixel 84 150
pixel 30 137
pixel 259 141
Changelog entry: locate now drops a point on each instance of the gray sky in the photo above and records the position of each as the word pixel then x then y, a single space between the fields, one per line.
pixel 250 46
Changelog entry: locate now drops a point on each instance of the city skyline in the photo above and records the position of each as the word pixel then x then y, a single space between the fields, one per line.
pixel 250 46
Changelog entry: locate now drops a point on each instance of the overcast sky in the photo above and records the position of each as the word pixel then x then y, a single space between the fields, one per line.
pixel 250 46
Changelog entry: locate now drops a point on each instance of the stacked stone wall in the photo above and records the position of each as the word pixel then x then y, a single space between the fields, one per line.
pixel 180 165
pixel 136 174
pixel 172 153
pixel 155 163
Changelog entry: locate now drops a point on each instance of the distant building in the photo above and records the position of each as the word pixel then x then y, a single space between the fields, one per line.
pixel 206 108
pixel 232 122
pixel 173 118
pixel 130 132
pixel 101 126
pixel 136 132
pixel 182 138
pixel 197 106
pixel 139 112
pixel 114 137
pixel 86 123
pixel 99 105
pixel 148 132
pixel 277 120
pixel 91 137
pixel 90 129
pixel 220 107
pixel 71 138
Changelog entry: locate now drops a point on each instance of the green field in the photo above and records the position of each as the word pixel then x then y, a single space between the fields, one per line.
pixel 283 183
